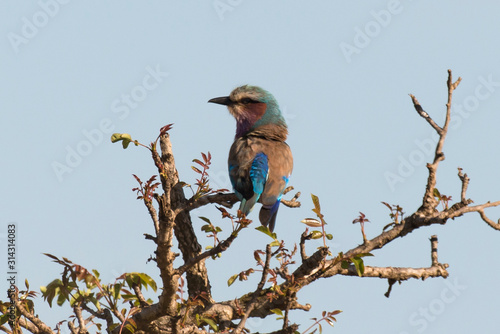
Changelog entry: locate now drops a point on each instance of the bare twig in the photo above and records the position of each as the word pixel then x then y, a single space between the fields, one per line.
pixel 440 268
pixel 465 183
pixel 153 214
pixel 490 222
pixel 293 203
pixel 425 115
pixel 391 282
pixel 305 236
pixel 429 202
pixel 476 208
pixel 434 250
pixel 398 273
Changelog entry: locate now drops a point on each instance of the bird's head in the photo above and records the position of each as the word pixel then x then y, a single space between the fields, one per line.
pixel 253 107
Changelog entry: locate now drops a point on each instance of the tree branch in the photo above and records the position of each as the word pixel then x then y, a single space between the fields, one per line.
pixel 425 115
pixel 5 329
pixel 304 236
pixel 196 276
pixel 490 222
pixel 476 208
pixel 28 325
pixel 465 183
pixel 429 202
pixel 153 214
pixel 225 199
pixel 77 310
pixel 72 328
pixel 142 301
pixel 221 247
pixel 251 305
pixel 104 314
pixel 40 325
pixel 293 203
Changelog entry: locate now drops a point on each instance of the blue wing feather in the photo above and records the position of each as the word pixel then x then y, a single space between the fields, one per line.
pixel 258 176
pixel 259 172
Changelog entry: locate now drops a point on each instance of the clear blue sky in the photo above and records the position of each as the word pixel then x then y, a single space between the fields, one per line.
pixel 72 73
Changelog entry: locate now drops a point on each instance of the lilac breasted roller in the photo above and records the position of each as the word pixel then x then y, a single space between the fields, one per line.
pixel 260 162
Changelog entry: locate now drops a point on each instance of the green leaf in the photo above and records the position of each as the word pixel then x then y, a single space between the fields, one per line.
pixel 116 290
pixel 329 236
pixel 344 264
pixel 316 234
pixel 277 311
pixel 315 200
pixel 275 243
pixel 231 279
pixel 116 137
pixel 96 273
pixel 207 228
pixel 149 281
pixel 311 222
pixel 4 318
pixel 131 325
pixel 113 326
pixel 360 266
pixel 266 231
pixel 61 299
pixel 364 254
pixel 124 137
pixel 436 193
pixel 211 323
pixel 50 291
pixel 141 279
pixel 205 219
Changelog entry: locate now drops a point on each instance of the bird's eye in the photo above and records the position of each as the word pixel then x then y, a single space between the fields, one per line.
pixel 247 100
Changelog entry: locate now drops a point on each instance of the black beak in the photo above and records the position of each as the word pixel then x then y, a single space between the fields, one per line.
pixel 224 100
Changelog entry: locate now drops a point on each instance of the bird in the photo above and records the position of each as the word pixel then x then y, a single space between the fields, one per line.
pixel 260 162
